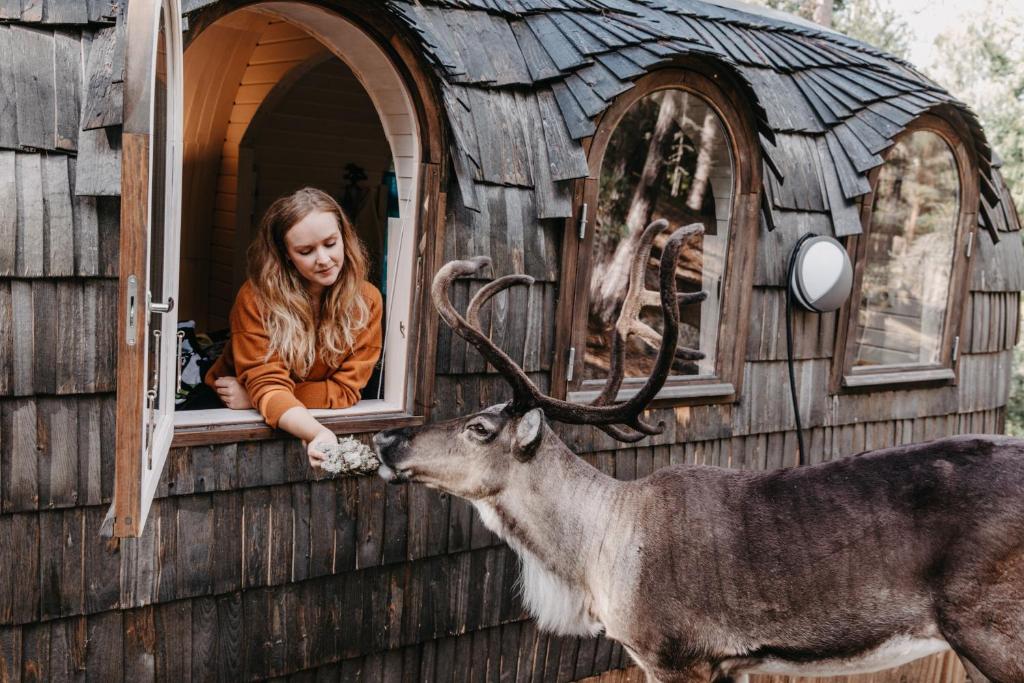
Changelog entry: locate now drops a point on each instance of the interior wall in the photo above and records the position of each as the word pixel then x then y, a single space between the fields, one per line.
pixel 209 100
pixel 253 53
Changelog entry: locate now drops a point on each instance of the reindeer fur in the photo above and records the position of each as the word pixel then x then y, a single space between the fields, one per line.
pixel 708 574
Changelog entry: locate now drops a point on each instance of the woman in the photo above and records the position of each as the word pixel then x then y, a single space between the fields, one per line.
pixel 305 327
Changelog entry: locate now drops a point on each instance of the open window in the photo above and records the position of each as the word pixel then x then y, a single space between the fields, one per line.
pixel 265 100
pixel 675 147
pixel 150 211
pixel 903 319
pixel 304 98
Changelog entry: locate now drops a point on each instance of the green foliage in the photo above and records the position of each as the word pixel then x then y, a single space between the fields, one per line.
pixel 981 61
pixel 874 22
pixel 1015 406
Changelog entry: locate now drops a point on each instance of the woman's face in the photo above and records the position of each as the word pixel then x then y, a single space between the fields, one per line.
pixel 314 245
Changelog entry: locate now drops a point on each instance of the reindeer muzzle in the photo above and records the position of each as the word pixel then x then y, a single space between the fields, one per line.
pixel 389 445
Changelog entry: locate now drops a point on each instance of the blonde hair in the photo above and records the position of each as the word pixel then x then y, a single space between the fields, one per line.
pixel 285 304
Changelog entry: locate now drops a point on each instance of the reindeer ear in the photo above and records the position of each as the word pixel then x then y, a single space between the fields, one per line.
pixel 528 433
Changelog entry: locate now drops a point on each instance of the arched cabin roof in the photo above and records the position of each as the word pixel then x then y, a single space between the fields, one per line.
pixel 826 106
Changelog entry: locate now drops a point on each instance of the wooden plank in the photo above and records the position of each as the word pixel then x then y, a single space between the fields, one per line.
pixel 337 525
pixel 256 553
pixel 104 658
pixel 140 643
pixel 281 542
pixel 89 449
pixel 102 563
pixel 31 216
pixel 322 507
pixel 58 237
pixel 68 84
pixel 34 87
pixel 104 93
pixel 19 460
pixel 228 644
pixel 196 548
pixel 845 212
pixel 23 542
pixel 67 649
pixel 10 654
pixel 396 524
pixel 85 221
pixel 8 96
pixel 8 202
pixel 74 371
pixel 44 320
pixel 58 461
pixel 6 339
pixel 108 220
pixel 173 623
pixel 370 522
pixel 35 656
pixel 99 163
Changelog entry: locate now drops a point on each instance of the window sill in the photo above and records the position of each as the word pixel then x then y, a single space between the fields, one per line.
pixel 714 392
pixel 876 379
pixel 203 427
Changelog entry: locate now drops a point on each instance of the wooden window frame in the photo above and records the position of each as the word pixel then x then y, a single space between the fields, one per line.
pixel 427 239
pixel 951 129
pixel 733 110
pixel 136 474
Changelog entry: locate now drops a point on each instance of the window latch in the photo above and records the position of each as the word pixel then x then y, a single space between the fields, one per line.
pixel 956 348
pixel 572 362
pixel 970 243
pixel 583 220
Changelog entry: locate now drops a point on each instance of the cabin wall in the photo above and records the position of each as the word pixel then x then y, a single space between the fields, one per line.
pixel 251 566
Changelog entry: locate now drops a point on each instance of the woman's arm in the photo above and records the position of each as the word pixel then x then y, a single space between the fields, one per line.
pixel 300 422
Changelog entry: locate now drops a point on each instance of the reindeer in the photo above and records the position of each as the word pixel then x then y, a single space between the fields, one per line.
pixel 709 574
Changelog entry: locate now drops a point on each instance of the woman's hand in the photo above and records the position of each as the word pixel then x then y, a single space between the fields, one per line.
pixel 316 456
pixel 232 393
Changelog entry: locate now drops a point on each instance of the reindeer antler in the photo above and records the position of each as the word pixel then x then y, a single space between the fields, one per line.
pixel 620 420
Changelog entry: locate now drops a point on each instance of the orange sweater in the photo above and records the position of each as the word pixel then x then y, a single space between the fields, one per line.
pixel 272 387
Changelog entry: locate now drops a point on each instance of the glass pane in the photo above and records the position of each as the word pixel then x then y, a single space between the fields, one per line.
pixel 909 254
pixel 161 335
pixel 668 158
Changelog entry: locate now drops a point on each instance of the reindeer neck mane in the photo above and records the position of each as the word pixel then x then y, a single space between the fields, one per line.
pixel 558 604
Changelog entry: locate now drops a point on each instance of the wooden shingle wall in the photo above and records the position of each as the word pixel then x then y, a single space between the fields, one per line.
pixel 253 567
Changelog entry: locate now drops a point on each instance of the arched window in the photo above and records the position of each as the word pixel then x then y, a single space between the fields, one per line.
pixel 674 148
pixel 352 120
pixel 905 320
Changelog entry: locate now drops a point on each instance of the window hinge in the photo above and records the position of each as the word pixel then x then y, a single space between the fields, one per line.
pixel 583 221
pixel 970 243
pixel 956 348
pixel 572 362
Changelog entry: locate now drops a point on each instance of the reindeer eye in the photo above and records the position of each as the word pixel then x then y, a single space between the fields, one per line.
pixel 478 429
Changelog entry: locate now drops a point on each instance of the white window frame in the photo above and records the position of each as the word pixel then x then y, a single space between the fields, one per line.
pixel 375 70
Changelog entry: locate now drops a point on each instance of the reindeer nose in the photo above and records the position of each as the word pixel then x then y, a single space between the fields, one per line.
pixel 385 442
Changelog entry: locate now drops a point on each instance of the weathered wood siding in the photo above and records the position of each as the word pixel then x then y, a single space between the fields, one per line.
pixel 253 567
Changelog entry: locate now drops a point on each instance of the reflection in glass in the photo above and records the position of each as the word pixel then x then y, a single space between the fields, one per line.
pixel 909 255
pixel 161 333
pixel 668 158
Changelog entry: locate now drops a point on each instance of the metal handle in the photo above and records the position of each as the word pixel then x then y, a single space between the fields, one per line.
pixel 162 308
pixel 181 340
pixel 150 426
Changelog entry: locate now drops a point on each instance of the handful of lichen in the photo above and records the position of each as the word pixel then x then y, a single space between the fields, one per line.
pixel 348 456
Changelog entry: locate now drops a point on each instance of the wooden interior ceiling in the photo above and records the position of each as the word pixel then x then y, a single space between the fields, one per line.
pixel 252 53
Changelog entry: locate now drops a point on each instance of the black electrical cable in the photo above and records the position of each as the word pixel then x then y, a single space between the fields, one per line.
pixel 789 346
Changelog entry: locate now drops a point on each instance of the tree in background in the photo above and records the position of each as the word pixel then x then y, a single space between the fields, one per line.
pixel 982 62
pixel 873 21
